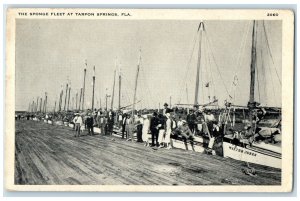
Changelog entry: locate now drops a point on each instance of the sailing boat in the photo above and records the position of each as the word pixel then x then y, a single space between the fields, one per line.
pixel 198 144
pixel 237 145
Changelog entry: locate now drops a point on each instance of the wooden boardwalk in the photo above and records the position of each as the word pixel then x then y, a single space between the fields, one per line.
pixel 47 154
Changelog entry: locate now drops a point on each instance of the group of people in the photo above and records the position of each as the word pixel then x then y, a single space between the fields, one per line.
pixel 153 129
pixel 103 119
pixel 159 126
pixel 163 126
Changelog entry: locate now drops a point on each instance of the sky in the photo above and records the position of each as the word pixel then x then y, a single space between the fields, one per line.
pixel 50 53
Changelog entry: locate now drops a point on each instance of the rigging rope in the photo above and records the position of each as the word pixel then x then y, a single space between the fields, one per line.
pixel 206 84
pixel 188 67
pixel 269 50
pixel 262 56
pixel 272 80
pixel 147 86
pixel 211 74
pixel 209 45
pixel 242 49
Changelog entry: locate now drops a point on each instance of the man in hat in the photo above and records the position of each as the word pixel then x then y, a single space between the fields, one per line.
pixel 90 124
pixel 154 129
pixel 166 109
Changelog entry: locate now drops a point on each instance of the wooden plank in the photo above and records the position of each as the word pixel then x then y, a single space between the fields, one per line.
pixel 50 154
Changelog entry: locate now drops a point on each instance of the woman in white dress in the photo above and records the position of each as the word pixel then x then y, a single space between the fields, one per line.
pixel 167 139
pixel 146 127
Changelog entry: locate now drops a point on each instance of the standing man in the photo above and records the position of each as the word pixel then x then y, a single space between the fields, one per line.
pixel 120 118
pixel 78 124
pixel 139 127
pixel 104 123
pixel 90 124
pixel 161 130
pixel 129 128
pixel 110 122
pixel 124 120
pixel 154 129
pixel 191 119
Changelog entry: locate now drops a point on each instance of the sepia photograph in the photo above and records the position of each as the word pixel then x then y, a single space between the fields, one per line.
pixel 150 100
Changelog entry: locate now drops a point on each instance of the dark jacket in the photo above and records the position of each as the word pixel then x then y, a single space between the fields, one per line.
pixel 89 121
pixel 191 118
pixel 162 121
pixel 154 123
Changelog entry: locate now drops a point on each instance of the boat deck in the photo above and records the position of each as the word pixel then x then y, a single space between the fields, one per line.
pixel 48 154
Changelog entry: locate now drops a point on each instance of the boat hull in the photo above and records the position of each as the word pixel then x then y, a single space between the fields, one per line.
pixel 252 154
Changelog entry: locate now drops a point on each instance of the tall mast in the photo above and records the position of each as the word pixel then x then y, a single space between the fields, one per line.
pixel 54 108
pixel 135 86
pixel 252 72
pixel 69 97
pixel 37 104
pixel 119 88
pixel 60 100
pixel 113 92
pixel 80 97
pixel 45 105
pixel 72 104
pixel 66 96
pixel 93 89
pixel 41 103
pixel 32 107
pixel 76 100
pixel 83 90
pixel 200 30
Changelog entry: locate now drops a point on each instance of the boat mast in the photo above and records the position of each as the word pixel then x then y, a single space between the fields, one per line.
pixel 120 88
pixel 93 89
pixel 252 73
pixel 66 97
pixel 32 106
pixel 83 90
pixel 113 92
pixel 41 103
pixel 200 30
pixel 76 100
pixel 80 97
pixel 135 86
pixel 69 98
pixel 54 108
pixel 45 105
pixel 37 104
pixel 60 99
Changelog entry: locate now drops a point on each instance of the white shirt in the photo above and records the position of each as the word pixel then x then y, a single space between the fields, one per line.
pixel 79 120
pixel 75 118
pixel 139 120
